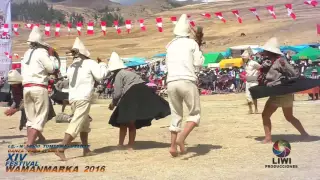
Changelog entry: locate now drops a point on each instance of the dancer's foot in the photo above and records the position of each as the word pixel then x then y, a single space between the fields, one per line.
pixel 304 137
pixel 130 148
pixel 181 147
pixel 87 152
pixel 266 141
pixel 60 154
pixel 173 151
pixel 256 111
pixel 250 112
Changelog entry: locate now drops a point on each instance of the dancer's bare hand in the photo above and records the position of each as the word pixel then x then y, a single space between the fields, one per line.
pixel 10 111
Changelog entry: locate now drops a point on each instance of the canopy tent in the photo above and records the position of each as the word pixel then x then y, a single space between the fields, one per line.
pixel 298 48
pixel 308 53
pixel 162 55
pixel 308 71
pixel 212 58
pixel 235 62
pixel 131 62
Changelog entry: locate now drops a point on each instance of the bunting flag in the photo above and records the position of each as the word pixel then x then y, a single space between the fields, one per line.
pixel 207 15
pixel 15 29
pixel 219 15
pixel 34 25
pixel 90 30
pixel 191 22
pixel 103 27
pixel 116 25
pixel 236 13
pixel 47 29
pixel 318 29
pixel 8 55
pixel 313 3
pixel 142 26
pixel 254 11
pixel 174 19
pixel 69 27
pixel 28 25
pixel 5 29
pixel 57 33
pixel 128 25
pixel 159 24
pixel 79 27
pixel 16 55
pixel 290 11
pixel 271 11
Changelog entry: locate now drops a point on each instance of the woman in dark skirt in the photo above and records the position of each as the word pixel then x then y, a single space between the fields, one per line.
pixel 137 105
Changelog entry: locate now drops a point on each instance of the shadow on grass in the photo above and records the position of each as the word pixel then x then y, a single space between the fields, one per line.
pixel 291 138
pixel 201 150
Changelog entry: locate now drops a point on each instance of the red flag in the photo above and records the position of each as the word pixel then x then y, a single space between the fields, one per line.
pixel 219 15
pixel 290 11
pixel 103 27
pixel 58 26
pixel 69 27
pixel 116 25
pixel 159 24
pixel 90 30
pixel 47 29
pixel 174 19
pixel 142 26
pixel 271 11
pixel 207 15
pixel 313 3
pixel 236 13
pixel 79 27
pixel 128 25
pixel 5 29
pixel 15 29
pixel 254 11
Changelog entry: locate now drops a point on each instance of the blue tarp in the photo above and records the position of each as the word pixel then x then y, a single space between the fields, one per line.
pixel 160 55
pixel 293 48
pixel 131 62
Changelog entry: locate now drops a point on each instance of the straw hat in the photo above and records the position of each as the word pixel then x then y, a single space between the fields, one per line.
pixel 182 27
pixel 14 77
pixel 115 62
pixel 272 45
pixel 247 53
pixel 80 46
pixel 36 36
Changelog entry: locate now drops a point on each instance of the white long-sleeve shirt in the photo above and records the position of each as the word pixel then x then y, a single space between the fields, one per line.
pixel 85 77
pixel 183 56
pixel 40 65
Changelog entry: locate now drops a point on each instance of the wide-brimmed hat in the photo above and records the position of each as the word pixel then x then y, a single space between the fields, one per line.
pixel 14 77
pixel 81 48
pixel 182 27
pixel 115 62
pixel 37 37
pixel 247 53
pixel 273 46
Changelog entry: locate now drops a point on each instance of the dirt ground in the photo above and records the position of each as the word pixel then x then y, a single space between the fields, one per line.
pixel 225 146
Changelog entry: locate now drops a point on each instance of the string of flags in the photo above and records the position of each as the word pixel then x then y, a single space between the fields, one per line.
pixel 158 21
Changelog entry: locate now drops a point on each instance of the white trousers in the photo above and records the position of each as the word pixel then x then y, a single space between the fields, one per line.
pixel 187 91
pixel 248 86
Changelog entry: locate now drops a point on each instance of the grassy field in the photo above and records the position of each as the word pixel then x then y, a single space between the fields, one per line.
pixel 226 145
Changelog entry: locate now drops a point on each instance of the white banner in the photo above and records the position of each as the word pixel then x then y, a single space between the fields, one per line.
pixel 5 38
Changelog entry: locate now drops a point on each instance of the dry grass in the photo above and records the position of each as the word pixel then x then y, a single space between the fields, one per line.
pixel 225 146
pixel 219 36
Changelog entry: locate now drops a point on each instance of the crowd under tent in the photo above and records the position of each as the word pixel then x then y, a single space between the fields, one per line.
pixel 309 53
pixel 212 58
pixel 132 62
pixel 309 70
pixel 237 51
pixel 234 62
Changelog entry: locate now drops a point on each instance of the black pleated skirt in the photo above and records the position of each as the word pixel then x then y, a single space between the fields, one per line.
pixel 139 104
pixel 288 87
